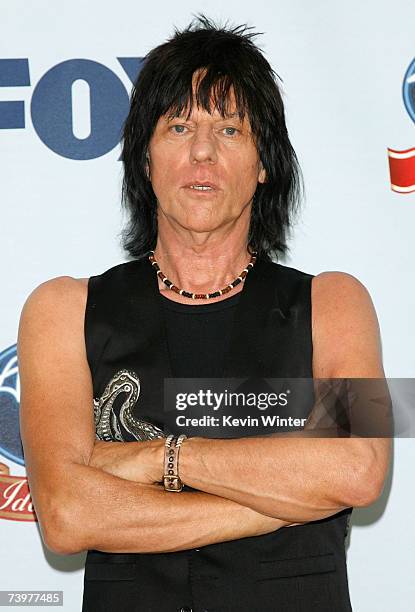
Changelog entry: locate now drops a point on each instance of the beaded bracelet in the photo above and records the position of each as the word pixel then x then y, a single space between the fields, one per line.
pixel 171 478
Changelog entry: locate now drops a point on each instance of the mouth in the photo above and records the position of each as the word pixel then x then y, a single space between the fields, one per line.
pixel 201 187
pixel 204 187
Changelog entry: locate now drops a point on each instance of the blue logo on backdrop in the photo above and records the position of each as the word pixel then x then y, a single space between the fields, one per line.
pixel 52 109
pixel 10 442
pixel 408 90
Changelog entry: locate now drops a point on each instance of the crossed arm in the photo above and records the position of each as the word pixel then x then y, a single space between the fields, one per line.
pixel 245 486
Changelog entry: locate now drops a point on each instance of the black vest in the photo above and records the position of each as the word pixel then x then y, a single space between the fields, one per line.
pixel 295 569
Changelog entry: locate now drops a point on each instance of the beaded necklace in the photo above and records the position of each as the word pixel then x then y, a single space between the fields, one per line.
pixel 202 296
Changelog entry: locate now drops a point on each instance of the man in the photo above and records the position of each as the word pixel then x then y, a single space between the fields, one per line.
pixel 211 184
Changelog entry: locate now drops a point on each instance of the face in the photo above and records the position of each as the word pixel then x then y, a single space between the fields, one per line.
pixel 205 169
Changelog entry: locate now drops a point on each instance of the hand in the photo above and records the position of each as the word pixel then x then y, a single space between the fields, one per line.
pixel 138 461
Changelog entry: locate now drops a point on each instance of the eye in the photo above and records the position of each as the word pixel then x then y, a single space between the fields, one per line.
pixel 178 129
pixel 230 131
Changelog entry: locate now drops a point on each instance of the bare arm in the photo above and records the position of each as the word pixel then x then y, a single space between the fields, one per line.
pixel 79 506
pixel 111 514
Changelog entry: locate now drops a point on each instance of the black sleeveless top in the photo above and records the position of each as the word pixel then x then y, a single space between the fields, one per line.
pixel 137 336
pixel 198 336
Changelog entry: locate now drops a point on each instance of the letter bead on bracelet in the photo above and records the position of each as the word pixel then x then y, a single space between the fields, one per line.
pixel 171 476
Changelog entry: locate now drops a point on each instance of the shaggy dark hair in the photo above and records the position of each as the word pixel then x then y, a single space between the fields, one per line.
pixel 164 86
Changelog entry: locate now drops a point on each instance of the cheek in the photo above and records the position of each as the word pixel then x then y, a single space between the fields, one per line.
pixel 163 175
pixel 167 163
pixel 245 179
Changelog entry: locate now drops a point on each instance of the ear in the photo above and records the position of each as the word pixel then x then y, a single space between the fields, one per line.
pixel 147 166
pixel 262 176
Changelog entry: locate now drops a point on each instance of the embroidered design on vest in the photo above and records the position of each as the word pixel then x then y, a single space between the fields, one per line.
pixel 107 422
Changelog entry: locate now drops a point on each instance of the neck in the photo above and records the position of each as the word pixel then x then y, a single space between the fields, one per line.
pixel 200 270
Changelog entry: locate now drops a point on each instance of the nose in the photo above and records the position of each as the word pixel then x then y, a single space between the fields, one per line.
pixel 203 146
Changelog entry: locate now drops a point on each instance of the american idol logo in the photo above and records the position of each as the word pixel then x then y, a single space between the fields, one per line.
pixel 408 90
pixel 15 501
pixel 77 107
pixel 402 163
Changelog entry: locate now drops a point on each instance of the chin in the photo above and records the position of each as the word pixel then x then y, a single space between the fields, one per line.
pixel 197 217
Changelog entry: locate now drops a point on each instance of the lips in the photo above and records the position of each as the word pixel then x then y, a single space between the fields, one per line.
pixel 197 183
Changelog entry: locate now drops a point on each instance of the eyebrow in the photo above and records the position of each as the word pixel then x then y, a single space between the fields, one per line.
pixel 184 115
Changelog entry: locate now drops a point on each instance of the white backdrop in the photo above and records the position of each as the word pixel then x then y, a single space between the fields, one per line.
pixel 343 66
